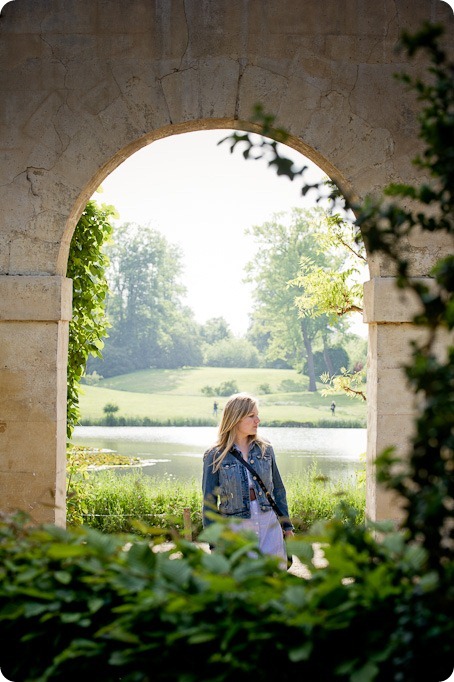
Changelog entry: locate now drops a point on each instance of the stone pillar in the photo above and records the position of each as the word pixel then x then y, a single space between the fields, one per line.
pixel 34 317
pixel 391 405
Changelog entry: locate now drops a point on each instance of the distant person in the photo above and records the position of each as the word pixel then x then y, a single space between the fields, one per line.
pixel 215 409
pixel 333 408
pixel 229 488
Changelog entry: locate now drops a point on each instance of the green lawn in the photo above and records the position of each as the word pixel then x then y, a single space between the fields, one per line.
pixel 171 395
pixel 191 380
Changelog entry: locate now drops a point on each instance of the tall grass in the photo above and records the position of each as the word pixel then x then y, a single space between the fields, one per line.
pixel 313 497
pixel 119 503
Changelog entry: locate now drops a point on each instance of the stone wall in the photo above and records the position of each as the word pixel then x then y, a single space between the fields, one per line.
pixel 86 83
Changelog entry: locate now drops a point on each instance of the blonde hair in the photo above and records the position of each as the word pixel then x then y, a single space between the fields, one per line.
pixel 238 406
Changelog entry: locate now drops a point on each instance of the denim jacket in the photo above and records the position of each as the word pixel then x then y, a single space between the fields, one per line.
pixel 230 487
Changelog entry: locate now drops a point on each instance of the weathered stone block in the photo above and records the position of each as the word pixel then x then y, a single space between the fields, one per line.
pixel 35 298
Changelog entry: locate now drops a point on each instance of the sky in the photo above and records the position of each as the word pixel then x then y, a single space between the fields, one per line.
pixel 203 198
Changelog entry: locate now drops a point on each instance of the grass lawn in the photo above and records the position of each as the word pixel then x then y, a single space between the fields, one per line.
pixel 168 396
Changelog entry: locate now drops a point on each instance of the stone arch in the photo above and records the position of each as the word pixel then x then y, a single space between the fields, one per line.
pixel 194 125
pixel 86 83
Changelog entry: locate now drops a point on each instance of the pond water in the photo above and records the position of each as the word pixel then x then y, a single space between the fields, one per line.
pixel 177 451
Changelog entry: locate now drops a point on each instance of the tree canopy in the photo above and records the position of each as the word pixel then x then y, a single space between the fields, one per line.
pixel 150 326
pixel 279 328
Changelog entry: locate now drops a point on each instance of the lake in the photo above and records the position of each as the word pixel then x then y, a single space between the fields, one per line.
pixel 177 451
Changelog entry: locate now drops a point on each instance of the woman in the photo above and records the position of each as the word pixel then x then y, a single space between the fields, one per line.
pixel 228 487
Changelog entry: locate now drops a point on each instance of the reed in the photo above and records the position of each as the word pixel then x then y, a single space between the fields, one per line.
pixel 132 502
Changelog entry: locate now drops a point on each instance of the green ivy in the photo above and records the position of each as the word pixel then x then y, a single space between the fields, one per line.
pixel 87 265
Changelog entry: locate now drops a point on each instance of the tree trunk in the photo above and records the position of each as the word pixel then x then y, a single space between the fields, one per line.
pixel 310 356
pixel 327 359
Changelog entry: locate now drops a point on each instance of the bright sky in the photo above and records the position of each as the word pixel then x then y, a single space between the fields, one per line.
pixel 203 198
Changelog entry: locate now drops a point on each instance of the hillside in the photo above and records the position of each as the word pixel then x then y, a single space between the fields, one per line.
pixel 175 397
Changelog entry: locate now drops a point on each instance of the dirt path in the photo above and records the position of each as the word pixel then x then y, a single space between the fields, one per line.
pixel 298 568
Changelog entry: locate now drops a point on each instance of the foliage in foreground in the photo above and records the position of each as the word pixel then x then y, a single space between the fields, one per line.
pixel 82 603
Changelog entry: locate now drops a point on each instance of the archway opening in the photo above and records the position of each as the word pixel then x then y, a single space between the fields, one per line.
pixel 168 200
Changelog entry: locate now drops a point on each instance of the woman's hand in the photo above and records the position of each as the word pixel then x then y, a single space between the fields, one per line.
pixel 288 533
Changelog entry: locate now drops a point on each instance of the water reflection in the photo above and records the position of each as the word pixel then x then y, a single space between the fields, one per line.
pixel 177 451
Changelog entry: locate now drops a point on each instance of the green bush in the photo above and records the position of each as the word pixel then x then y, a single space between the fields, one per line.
pixel 110 408
pixel 226 388
pixel 290 386
pixel 208 391
pixel 232 352
pixel 264 389
pixel 79 603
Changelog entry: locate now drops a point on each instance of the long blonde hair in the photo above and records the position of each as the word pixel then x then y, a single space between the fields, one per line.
pixel 236 408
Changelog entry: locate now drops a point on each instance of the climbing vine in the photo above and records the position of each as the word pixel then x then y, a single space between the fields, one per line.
pixel 87 265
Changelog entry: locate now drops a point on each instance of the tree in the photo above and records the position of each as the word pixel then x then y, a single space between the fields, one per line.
pixel 232 352
pixel 87 264
pixel 183 347
pixel 215 329
pixel 333 290
pixel 150 326
pixel 286 336
pixel 333 358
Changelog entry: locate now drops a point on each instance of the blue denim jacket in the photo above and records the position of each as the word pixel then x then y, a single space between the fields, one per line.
pixel 230 487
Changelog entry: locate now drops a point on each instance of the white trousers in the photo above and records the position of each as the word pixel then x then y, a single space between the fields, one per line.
pixel 267 529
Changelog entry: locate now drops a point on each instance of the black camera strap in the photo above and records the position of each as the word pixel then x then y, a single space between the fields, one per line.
pixel 281 518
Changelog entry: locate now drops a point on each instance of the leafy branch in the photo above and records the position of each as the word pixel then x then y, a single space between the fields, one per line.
pixel 424 481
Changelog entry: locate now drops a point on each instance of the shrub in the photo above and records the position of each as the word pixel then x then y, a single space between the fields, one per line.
pixel 114 607
pixel 291 386
pixel 110 408
pixel 232 353
pixel 226 388
pixel 264 389
pixel 91 379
